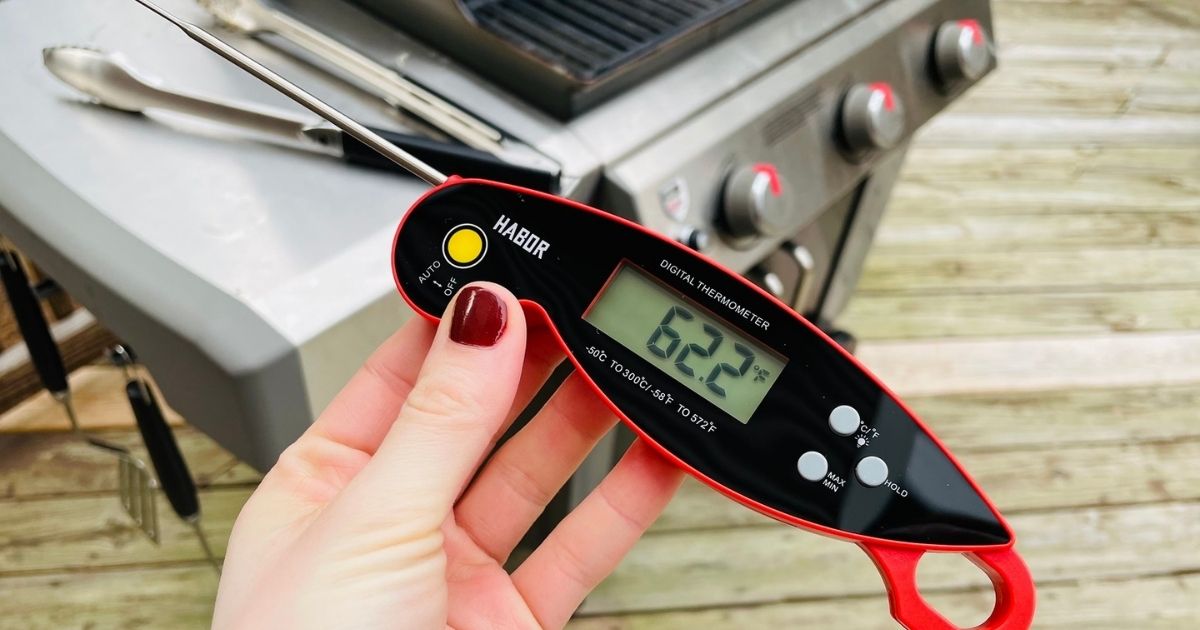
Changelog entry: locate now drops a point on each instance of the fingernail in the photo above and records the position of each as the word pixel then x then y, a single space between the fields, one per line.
pixel 479 318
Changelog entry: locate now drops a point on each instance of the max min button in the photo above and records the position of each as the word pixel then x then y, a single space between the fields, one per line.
pixel 812 466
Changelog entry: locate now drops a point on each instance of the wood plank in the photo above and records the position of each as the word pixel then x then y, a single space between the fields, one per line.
pixel 1066 57
pixel 965 129
pixel 1052 478
pixel 34 465
pixel 1158 603
pixel 991 271
pixel 1089 23
pixel 181 597
pixel 1014 420
pixel 941 184
pixel 1085 92
pixel 757 565
pixel 1085 192
pixel 93 531
pixel 958 231
pixel 1069 104
pixel 767 564
pixel 1092 475
pixel 1166 171
pixel 875 317
pixel 98 389
pixel 174 597
pixel 80 339
pixel 939 367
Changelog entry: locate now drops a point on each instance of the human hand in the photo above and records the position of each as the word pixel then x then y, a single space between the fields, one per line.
pixel 376 518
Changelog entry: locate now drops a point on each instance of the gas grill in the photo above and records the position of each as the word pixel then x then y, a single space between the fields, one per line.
pixel 767 134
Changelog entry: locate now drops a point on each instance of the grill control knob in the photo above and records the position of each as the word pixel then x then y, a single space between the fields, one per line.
pixel 872 118
pixel 694 238
pixel 961 53
pixel 754 202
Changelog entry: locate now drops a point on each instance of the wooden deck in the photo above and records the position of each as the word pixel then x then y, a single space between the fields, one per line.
pixel 1035 293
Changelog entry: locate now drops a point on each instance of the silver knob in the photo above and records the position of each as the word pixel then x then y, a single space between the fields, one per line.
pixel 694 238
pixel 755 202
pixel 872 118
pixel 961 52
pixel 768 280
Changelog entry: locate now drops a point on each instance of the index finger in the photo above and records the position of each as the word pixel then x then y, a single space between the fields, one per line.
pixel 362 413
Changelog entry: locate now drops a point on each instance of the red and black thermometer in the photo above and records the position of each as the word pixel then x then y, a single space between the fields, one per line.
pixel 723 379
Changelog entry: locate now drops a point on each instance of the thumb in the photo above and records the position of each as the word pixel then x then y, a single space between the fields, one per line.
pixel 457 406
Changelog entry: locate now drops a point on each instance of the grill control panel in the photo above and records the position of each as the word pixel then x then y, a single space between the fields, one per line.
pixel 805 154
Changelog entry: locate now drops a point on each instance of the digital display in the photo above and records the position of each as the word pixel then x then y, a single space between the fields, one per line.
pixel 686 341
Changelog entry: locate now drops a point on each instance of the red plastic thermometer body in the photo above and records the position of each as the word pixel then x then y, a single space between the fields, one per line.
pixel 724 380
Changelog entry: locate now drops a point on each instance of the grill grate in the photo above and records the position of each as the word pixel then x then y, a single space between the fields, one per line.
pixel 589 38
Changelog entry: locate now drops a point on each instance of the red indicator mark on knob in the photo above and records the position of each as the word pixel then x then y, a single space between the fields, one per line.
pixel 973 27
pixel 889 97
pixel 772 174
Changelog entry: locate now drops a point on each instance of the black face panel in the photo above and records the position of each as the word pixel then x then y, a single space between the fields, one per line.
pixel 561 256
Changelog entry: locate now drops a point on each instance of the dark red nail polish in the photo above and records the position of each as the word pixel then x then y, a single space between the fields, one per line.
pixel 479 318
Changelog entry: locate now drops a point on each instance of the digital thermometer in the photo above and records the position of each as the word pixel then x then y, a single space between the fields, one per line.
pixel 723 379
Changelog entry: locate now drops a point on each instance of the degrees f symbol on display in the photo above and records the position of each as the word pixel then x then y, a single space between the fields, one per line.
pixel 761 375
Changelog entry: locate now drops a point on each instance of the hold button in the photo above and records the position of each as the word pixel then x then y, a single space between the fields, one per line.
pixel 871 471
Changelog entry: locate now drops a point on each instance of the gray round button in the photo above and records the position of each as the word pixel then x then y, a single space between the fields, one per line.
pixel 844 420
pixel 812 466
pixel 871 471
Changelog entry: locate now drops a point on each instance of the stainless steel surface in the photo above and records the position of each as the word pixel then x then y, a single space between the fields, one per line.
pixel 961 52
pixel 253 17
pixel 755 203
pixel 107 78
pixel 807 265
pixel 343 122
pixel 872 118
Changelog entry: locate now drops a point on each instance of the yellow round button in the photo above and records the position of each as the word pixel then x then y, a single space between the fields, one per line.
pixel 464 246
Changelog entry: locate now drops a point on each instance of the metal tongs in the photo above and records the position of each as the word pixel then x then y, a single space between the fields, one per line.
pixel 369 138
pixel 252 17
pixel 136 485
pixel 110 80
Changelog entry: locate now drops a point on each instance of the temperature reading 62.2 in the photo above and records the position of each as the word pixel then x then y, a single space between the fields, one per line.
pixel 686 341
pixel 698 352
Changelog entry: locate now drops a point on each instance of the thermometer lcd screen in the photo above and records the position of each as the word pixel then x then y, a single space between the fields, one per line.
pixel 686 341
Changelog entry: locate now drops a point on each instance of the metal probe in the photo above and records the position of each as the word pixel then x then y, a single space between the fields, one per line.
pixel 401 157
